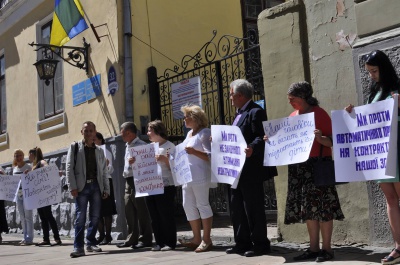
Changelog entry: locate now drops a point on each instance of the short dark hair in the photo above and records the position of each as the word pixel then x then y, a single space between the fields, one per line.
pixel 100 136
pixel 129 126
pixel 89 123
pixel 158 128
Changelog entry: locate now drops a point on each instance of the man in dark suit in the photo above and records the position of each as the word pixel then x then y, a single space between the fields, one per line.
pixel 247 200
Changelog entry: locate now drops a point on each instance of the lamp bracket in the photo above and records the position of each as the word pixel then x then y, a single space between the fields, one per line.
pixel 77 56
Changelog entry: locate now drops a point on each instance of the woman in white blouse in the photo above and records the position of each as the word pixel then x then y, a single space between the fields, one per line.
pixel 195 193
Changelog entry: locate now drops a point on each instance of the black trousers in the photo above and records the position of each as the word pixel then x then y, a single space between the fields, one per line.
pixel 161 209
pixel 3 218
pixel 248 217
pixel 46 218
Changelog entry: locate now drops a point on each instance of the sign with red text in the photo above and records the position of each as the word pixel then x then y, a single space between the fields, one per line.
pixel 146 173
pixel 41 187
pixel 228 154
pixel 9 187
pixel 187 91
pixel 365 141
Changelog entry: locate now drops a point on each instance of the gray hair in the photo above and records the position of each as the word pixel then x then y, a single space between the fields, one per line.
pixel 243 87
pixel 129 126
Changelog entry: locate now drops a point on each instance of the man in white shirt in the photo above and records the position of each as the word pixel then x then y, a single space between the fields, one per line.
pixel 136 212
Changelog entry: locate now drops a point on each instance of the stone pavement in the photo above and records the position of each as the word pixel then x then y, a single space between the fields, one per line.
pixel 282 253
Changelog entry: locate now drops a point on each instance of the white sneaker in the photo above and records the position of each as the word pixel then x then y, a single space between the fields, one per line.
pixel 166 248
pixel 156 248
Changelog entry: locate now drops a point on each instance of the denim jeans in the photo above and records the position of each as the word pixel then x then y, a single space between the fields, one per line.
pixel 26 217
pixel 90 194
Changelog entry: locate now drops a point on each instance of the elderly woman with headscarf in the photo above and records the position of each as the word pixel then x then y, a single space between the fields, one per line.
pixel 316 206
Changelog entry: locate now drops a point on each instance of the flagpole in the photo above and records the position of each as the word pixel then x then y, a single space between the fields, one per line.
pixel 91 25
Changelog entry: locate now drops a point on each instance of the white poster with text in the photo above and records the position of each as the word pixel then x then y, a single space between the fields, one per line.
pixel 187 91
pixel 9 187
pixel 228 154
pixel 362 140
pixel 41 187
pixel 289 139
pixel 146 174
pixel 179 163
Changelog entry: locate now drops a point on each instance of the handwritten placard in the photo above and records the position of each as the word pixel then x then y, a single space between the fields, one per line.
pixel 41 187
pixel 289 139
pixel 9 187
pixel 228 154
pixel 179 163
pixel 146 174
pixel 362 140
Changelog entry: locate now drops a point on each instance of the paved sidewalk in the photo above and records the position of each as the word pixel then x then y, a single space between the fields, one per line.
pixel 282 253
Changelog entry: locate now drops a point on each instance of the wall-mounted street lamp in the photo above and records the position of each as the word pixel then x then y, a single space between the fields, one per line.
pixel 46 67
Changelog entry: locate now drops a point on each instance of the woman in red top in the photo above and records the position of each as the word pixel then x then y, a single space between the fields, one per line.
pixel 316 206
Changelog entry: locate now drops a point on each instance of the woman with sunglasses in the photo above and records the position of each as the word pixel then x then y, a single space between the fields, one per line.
pixel 385 83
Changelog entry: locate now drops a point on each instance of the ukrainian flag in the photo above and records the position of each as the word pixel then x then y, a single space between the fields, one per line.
pixel 68 21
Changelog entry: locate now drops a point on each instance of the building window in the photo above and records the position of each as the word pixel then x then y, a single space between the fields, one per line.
pixel 51 97
pixel 252 8
pixel 3 106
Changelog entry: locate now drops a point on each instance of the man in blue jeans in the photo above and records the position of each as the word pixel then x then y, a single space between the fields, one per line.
pixel 88 183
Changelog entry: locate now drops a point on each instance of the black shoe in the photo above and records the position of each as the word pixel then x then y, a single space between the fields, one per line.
pixel 308 254
pixel 78 252
pixel 254 253
pixel 140 245
pixel 124 245
pixel 100 239
pixel 324 256
pixel 235 250
pixel 106 241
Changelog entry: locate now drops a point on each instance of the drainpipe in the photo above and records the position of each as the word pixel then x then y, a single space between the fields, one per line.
pixel 128 75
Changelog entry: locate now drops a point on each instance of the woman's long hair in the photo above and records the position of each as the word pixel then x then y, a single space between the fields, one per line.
pixel 17 152
pixel 37 153
pixel 388 79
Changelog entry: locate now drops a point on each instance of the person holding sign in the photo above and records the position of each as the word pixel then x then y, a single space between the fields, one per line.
pixel 247 200
pixel 385 82
pixel 136 212
pixel 26 216
pixel 196 193
pixel 88 183
pixel 317 206
pixel 45 213
pixel 108 207
pixel 161 206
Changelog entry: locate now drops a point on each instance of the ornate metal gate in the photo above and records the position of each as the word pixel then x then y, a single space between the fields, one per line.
pixel 217 63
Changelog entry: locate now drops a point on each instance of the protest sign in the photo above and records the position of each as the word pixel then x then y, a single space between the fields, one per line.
pixel 179 163
pixel 41 187
pixel 289 139
pixel 9 187
pixel 228 154
pixel 361 141
pixel 146 174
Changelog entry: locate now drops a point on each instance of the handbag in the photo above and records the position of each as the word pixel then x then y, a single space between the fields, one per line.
pixel 324 172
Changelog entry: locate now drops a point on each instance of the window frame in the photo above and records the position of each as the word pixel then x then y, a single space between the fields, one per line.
pixel 3 77
pixel 41 86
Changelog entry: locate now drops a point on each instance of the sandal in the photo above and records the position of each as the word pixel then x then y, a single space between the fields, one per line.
pixel 187 243
pixel 389 259
pixel 203 247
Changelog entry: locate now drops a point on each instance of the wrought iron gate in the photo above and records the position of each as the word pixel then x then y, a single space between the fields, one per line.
pixel 217 63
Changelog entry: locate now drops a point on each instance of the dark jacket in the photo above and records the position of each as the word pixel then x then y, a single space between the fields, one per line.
pixel 250 123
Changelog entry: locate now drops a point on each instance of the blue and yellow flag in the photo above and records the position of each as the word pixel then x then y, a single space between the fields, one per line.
pixel 68 21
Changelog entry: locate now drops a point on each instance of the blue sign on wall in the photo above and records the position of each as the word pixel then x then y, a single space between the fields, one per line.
pixel 86 90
